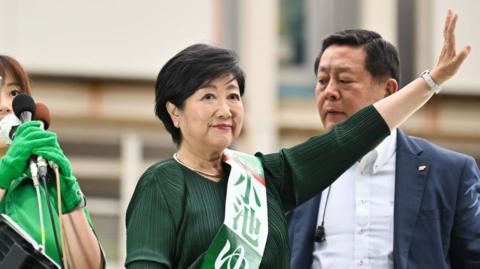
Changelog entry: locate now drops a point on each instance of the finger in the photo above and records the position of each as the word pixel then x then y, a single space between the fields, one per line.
pixel 447 47
pixel 35 146
pixel 65 168
pixel 450 36
pixel 458 61
pixel 450 42
pixel 50 153
pixel 35 140
pixel 36 134
pixel 447 22
pixel 27 127
pixel 452 32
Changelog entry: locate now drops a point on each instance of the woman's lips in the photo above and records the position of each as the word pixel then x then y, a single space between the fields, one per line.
pixel 223 126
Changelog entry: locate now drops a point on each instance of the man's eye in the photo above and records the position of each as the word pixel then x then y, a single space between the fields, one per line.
pixel 322 81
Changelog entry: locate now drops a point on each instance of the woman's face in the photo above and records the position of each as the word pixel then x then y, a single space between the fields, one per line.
pixel 212 117
pixel 9 89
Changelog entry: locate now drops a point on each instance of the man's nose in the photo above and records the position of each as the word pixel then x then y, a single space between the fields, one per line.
pixel 332 92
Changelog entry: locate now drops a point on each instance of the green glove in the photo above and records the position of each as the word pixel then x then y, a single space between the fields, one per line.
pixel 72 196
pixel 28 137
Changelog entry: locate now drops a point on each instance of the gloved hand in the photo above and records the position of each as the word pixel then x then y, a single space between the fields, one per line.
pixel 29 140
pixel 28 137
pixel 71 193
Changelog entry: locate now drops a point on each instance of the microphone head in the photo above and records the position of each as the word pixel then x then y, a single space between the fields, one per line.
pixel 23 103
pixel 42 114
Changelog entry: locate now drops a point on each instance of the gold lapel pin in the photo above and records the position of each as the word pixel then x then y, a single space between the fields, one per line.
pixel 422 168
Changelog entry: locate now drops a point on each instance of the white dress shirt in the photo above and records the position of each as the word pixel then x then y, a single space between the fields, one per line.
pixel 359 214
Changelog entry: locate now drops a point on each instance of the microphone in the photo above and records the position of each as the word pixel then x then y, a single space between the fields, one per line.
pixel 42 114
pixel 23 107
pixel 320 234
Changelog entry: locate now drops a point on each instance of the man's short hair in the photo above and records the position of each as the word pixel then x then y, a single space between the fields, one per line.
pixel 382 60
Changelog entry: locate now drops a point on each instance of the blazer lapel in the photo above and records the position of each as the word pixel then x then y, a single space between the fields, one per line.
pixel 411 175
pixel 302 226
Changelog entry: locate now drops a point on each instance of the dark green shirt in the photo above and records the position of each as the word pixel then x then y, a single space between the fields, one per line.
pixel 175 213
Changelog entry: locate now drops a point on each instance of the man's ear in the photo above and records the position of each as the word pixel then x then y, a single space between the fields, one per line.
pixel 391 87
pixel 173 112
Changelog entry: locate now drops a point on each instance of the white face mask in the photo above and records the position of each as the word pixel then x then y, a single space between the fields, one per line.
pixel 6 124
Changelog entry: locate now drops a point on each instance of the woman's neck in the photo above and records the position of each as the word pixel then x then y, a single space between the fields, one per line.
pixel 207 164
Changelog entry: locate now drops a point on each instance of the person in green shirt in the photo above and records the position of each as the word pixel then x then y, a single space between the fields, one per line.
pixel 181 214
pixel 17 194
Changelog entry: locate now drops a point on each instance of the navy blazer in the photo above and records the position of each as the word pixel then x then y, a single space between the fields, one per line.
pixel 436 211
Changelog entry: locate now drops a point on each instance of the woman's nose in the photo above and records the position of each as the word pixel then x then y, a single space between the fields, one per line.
pixel 5 106
pixel 224 109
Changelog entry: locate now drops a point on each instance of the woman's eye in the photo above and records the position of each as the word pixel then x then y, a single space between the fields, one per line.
pixel 234 96
pixel 15 92
pixel 208 96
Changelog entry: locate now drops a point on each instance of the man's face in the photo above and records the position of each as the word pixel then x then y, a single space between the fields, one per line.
pixel 344 86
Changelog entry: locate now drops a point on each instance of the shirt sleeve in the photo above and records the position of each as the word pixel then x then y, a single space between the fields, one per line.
pixel 151 229
pixel 300 172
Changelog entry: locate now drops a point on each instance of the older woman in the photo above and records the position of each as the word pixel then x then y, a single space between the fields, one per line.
pixel 17 194
pixel 211 207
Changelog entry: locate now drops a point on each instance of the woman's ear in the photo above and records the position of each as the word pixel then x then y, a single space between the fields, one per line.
pixel 173 112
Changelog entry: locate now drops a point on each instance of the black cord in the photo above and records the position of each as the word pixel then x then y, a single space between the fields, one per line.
pixel 326 202
pixel 50 211
pixel 320 235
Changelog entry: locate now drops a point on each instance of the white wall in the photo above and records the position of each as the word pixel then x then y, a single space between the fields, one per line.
pixel 113 38
pixel 468 32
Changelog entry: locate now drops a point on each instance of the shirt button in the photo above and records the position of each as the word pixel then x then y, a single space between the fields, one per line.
pixel 360 262
pixel 361 231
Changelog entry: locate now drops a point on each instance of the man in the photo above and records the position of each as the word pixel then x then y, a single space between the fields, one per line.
pixel 406 204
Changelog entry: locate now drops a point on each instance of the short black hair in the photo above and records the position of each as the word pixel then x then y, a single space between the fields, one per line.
pixel 382 60
pixel 186 72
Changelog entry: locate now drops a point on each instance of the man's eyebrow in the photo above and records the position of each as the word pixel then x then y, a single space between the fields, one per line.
pixel 340 69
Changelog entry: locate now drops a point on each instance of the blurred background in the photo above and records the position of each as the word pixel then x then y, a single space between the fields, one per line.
pixel 94 63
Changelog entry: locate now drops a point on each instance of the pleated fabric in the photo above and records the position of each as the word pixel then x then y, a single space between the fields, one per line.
pixel 175 213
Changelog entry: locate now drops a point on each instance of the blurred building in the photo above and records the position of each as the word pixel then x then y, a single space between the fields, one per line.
pixel 94 63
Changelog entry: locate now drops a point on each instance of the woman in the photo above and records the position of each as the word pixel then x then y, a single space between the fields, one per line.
pixel 210 207
pixel 17 194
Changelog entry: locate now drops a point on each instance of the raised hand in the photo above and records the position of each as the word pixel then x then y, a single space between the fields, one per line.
pixel 449 60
